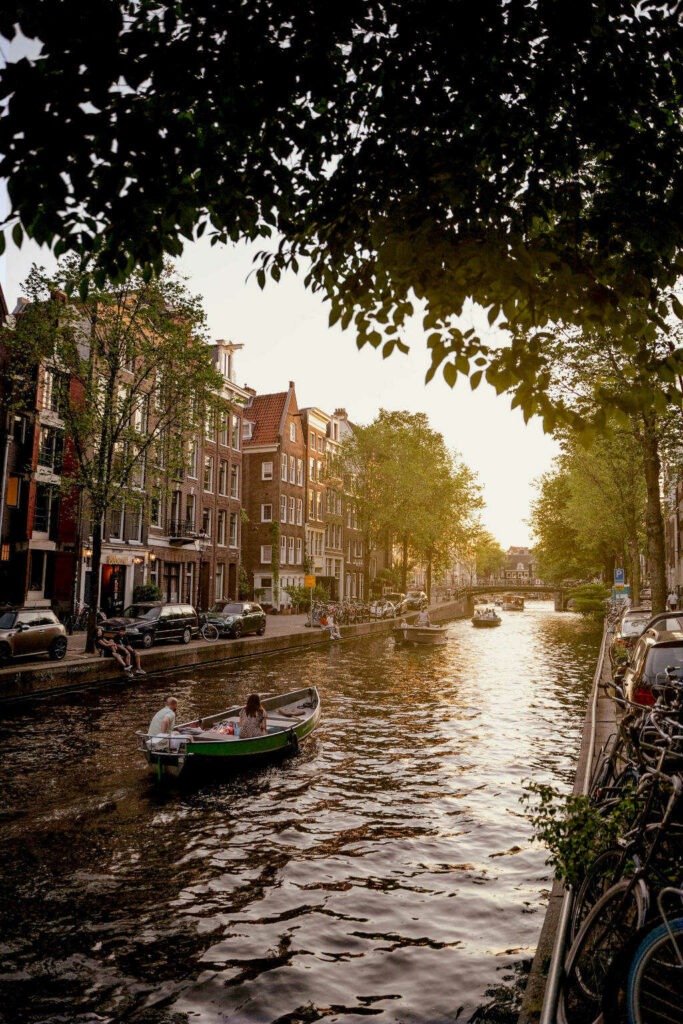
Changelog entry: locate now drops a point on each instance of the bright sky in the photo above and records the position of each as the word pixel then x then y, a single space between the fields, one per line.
pixel 285 334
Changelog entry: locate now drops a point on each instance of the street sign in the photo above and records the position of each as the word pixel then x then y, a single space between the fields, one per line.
pixel 309 581
pixel 620 591
pixel 619 576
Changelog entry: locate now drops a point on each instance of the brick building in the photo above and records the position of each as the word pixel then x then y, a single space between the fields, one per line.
pixel 39 519
pixel 274 454
pixel 519 565
pixel 334 516
pixel 315 425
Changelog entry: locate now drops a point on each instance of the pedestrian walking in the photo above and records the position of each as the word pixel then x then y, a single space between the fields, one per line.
pixel 673 600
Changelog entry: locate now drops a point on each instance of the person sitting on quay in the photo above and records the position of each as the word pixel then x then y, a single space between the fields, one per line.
pixel 106 646
pixel 163 722
pixel 327 622
pixel 128 653
pixel 253 721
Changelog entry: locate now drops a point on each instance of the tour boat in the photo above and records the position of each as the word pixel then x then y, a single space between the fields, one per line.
pixel 513 603
pixel 291 718
pixel 421 635
pixel 484 620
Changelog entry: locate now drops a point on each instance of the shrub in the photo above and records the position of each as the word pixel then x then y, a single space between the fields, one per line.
pixel 147 592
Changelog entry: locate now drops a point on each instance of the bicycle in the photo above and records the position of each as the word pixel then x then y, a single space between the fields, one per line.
pixel 209 632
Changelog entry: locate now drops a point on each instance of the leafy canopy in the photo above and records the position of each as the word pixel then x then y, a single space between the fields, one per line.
pixel 524 155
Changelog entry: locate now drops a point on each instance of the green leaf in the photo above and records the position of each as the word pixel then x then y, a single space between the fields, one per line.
pixel 17 235
pixel 450 374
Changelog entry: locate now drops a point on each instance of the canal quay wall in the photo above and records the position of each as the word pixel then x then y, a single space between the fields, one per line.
pixel 41 679
pixel 605 725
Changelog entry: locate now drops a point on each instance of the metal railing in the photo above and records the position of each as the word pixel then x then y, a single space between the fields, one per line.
pixel 181 526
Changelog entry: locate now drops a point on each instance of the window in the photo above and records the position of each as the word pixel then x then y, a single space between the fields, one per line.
pixel 299 511
pixel 311 469
pixel 236 426
pixel 319 505
pixel 189 514
pixel 292 511
pixel 266 470
pixel 311 504
pixel 210 426
pixel 234 481
pixel 224 427
pixel 50 449
pixel 192 463
pixel 220 526
pixel 233 530
pixel 223 478
pixel 13 486
pixel 206 521
pixel 283 508
pixel 266 554
pixel 54 389
pixel 208 473
pixel 321 447
pixel 189 582
pixel 300 472
pixel 4 553
pixel 292 431
pixel 155 512
pixel 247 430
pixel 220 580
pixel 116 524
pixel 283 467
pixel 292 469
pixel 320 470
pixel 290 546
pixel 312 441
pixel 299 551
pixel 283 550
pixel 266 513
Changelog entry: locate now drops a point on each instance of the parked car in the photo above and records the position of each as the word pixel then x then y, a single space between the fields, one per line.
pixel 654 653
pixel 398 601
pixel 415 600
pixel 28 631
pixel 148 622
pixel 237 618
pixel 666 622
pixel 382 609
pixel 631 625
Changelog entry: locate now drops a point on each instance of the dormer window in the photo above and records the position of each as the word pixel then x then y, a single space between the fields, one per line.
pixel 247 429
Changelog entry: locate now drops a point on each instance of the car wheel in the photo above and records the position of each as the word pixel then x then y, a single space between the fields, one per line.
pixel 5 654
pixel 187 635
pixel 57 648
pixel 237 630
pixel 261 630
pixel 147 640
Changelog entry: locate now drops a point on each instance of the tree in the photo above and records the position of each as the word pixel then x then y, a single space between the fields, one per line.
pixel 140 380
pixel 490 557
pixel 396 166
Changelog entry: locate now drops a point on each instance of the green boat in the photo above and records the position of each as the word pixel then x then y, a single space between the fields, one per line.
pixel 291 717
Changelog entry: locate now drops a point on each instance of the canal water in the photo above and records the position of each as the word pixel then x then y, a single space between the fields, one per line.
pixel 385 872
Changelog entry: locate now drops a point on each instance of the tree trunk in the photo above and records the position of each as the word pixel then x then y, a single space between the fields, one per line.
pixel 94 583
pixel 634 575
pixel 655 521
pixel 366 566
pixel 404 566
pixel 429 578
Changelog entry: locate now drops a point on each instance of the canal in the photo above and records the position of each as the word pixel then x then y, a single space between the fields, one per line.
pixel 387 871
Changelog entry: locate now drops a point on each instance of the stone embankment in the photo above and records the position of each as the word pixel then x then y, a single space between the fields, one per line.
pixel 605 725
pixel 41 678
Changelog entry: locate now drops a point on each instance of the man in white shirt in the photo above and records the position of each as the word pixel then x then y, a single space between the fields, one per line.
pixel 673 600
pixel 163 722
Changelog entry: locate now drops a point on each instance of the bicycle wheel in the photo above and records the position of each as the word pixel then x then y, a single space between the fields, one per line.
pixel 611 922
pixel 209 632
pixel 600 877
pixel 655 978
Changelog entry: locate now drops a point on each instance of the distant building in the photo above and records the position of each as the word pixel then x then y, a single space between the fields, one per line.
pixel 519 565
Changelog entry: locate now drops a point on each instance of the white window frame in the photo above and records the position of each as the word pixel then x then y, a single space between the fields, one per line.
pixel 266 554
pixel 290 550
pixel 219 594
pixel 220 527
pixel 233 541
pixel 235 477
pixel 223 478
pixel 292 510
pixel 283 508
pixel 299 551
pixel 236 425
pixel 283 549
pixel 267 517
pixel 283 467
pixel 266 470
pixel 292 431
pixel 299 511
pixel 208 464
pixel 207 521
pixel 292 469
pixel 300 472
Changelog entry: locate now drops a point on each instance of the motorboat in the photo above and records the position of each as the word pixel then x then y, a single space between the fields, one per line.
pixel 513 603
pixel 485 618
pixel 214 741
pixel 421 635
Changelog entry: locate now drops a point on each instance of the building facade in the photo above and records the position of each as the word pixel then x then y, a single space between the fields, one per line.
pixel 274 535
pixel 519 565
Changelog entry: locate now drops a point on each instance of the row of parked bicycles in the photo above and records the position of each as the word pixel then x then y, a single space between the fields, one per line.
pixel 624 963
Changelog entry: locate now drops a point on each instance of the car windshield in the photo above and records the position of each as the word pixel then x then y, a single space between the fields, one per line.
pixel 228 609
pixel 632 627
pixel 661 658
pixel 7 620
pixel 414 593
pixel 141 611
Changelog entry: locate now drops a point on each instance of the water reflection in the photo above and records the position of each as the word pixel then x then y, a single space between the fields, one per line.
pixel 386 871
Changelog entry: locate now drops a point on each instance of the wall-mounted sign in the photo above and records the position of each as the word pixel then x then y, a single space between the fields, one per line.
pixel 309 581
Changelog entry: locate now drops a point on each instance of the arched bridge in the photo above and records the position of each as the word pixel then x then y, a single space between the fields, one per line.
pixel 509 587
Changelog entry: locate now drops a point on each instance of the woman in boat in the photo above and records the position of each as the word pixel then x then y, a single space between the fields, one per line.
pixel 253 720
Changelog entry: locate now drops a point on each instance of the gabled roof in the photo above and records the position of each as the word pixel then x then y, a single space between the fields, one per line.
pixel 266 412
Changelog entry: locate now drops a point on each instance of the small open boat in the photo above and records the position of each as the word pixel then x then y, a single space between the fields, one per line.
pixel 513 603
pixel 421 635
pixel 485 618
pixel 291 718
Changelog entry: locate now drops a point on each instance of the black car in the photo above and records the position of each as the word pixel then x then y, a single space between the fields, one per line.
pixel 146 623
pixel 415 599
pixel 237 618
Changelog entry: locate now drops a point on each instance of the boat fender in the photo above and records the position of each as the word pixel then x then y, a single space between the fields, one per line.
pixel 294 741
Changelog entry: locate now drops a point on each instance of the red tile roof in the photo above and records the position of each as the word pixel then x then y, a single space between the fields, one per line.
pixel 265 412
